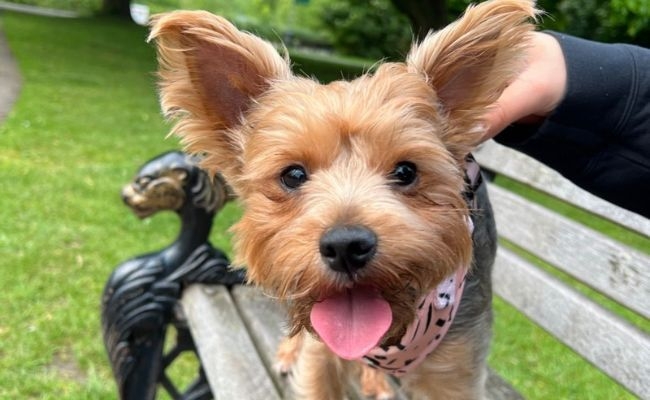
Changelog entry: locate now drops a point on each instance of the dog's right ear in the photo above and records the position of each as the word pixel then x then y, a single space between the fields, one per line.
pixel 471 61
pixel 210 74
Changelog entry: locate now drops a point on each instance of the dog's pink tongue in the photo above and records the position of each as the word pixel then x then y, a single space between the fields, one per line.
pixel 352 322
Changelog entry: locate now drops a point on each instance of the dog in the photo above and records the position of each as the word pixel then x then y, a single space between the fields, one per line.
pixel 363 212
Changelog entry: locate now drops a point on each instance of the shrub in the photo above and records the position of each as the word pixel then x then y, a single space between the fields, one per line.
pixel 611 21
pixel 372 29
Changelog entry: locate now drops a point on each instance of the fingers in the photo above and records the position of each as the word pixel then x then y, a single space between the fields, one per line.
pixel 535 92
pixel 517 102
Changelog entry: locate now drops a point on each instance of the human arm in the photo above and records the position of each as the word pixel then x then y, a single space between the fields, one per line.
pixel 593 127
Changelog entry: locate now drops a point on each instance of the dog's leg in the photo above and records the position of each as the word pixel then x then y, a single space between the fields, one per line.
pixel 318 373
pixel 287 354
pixel 374 384
pixel 456 370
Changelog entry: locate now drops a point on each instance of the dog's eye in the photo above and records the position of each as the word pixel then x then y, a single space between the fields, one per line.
pixel 293 177
pixel 405 173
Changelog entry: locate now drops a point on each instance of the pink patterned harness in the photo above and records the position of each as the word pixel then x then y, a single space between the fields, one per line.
pixel 434 316
pixel 435 313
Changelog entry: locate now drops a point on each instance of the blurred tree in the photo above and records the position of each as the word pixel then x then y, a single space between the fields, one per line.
pixel 424 15
pixel 607 21
pixel 366 28
pixel 117 7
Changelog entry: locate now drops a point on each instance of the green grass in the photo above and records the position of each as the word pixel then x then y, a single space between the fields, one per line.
pixel 87 118
pixel 540 367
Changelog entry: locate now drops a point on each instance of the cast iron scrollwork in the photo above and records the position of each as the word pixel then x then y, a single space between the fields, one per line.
pixel 140 300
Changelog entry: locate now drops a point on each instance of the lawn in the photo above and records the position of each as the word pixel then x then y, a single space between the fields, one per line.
pixel 87 117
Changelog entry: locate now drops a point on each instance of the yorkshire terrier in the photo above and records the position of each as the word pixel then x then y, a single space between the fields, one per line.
pixel 363 211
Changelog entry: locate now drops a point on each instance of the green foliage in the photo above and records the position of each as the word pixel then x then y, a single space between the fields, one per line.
pixel 632 16
pixel 375 29
pixel 372 29
pixel 275 20
pixel 608 21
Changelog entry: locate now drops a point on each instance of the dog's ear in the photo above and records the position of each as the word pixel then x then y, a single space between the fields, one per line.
pixel 210 74
pixel 470 62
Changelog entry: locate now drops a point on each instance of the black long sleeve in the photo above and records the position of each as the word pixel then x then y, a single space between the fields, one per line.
pixel 599 135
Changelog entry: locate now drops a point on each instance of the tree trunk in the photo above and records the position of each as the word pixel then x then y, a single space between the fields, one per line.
pixel 117 7
pixel 425 15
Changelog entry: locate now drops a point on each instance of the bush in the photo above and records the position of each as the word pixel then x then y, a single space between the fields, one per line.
pixel 372 29
pixel 611 21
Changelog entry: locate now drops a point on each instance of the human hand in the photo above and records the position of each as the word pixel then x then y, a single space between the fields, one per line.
pixel 536 91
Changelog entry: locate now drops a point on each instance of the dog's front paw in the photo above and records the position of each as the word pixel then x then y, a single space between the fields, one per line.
pixel 374 384
pixel 287 354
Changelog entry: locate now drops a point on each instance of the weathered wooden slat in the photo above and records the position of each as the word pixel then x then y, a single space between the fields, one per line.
pixel 265 318
pixel 616 347
pixel 228 355
pixel 615 270
pixel 238 333
pixel 524 169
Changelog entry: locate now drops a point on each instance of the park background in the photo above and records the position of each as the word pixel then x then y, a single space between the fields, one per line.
pixel 88 116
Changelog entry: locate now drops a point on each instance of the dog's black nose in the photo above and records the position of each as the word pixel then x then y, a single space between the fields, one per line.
pixel 348 248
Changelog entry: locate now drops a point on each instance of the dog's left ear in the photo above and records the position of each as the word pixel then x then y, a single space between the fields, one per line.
pixel 210 75
pixel 470 62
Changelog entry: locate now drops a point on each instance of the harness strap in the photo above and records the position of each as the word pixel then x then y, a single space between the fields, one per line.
pixel 436 311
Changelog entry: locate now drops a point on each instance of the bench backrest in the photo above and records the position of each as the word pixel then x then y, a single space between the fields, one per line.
pixel 615 270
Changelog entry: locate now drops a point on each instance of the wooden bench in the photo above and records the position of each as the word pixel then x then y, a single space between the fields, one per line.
pixel 237 331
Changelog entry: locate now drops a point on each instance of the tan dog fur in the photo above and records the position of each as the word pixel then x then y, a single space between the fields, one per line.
pixel 237 102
